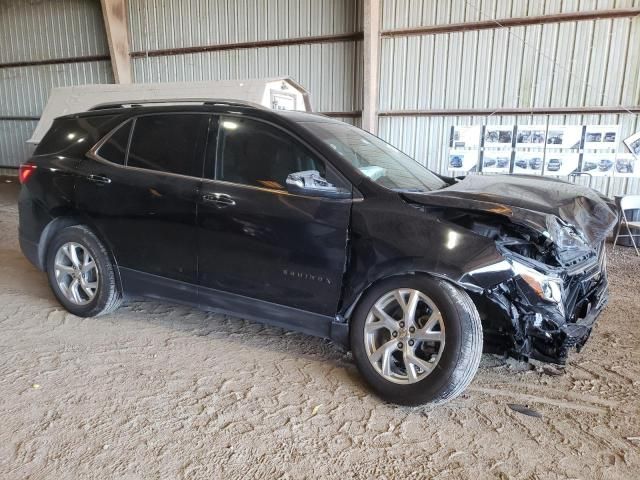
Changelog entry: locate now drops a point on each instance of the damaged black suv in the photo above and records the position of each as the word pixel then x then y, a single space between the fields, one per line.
pixel 311 224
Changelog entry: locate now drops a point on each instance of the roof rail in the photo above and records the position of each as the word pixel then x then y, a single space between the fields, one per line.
pixel 175 101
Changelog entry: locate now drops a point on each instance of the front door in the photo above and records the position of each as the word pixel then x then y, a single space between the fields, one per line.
pixel 256 239
pixel 140 191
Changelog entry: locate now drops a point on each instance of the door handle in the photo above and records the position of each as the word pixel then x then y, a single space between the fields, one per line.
pixel 99 179
pixel 219 199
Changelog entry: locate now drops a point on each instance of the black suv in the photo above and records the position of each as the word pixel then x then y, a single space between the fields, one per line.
pixel 309 223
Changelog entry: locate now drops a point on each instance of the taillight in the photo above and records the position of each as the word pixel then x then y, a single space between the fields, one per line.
pixel 25 172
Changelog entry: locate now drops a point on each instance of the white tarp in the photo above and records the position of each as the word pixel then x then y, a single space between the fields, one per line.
pixel 280 93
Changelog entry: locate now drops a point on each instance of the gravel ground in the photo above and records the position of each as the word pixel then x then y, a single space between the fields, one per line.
pixel 162 391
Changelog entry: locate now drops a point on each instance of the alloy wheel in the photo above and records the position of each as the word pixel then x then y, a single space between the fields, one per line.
pixel 76 273
pixel 404 336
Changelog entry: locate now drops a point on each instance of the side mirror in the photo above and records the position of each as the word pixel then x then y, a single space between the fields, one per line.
pixel 311 184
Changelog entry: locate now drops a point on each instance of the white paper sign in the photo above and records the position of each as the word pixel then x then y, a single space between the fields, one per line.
pixel 564 136
pixel 463 160
pixel 601 137
pixel 465 137
pixel 598 164
pixel 529 163
pixel 633 143
pixel 626 166
pixel 531 136
pixel 496 161
pixel 498 136
pixel 561 163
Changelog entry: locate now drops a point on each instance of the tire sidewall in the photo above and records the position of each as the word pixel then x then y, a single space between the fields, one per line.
pixel 88 240
pixel 438 381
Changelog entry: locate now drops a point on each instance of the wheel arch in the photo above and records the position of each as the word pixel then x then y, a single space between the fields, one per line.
pixel 347 310
pixel 69 220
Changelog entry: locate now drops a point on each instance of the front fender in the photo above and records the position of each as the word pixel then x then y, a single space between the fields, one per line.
pixel 389 237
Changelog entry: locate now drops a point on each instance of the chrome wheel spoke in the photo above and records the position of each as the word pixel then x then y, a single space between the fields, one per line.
pixel 88 265
pixel 89 288
pixel 427 333
pixel 73 255
pixel 412 361
pixel 64 268
pixel 384 321
pixel 73 290
pixel 429 336
pixel 384 351
pixel 412 305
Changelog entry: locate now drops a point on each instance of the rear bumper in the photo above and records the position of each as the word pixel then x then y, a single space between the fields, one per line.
pixel 30 250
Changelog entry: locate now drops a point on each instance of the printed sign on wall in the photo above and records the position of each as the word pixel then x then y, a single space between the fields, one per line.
pixel 561 164
pixel 601 137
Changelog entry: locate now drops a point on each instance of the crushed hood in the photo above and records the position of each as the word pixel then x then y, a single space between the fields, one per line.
pixel 528 200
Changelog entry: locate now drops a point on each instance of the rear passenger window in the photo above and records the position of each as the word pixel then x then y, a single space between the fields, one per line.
pixel 255 153
pixel 169 143
pixel 115 148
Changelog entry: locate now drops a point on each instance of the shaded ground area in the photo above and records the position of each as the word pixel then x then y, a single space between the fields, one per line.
pixel 159 391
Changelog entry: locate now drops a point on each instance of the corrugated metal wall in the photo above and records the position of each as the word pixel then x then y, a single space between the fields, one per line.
pixel 571 64
pixel 44 31
pixel 331 71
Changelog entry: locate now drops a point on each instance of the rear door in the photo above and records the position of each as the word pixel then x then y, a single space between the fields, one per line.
pixel 140 189
pixel 256 239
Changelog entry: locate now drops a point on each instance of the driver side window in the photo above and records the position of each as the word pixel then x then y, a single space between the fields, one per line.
pixel 257 154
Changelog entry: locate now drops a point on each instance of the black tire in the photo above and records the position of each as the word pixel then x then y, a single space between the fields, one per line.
pixel 108 295
pixel 460 356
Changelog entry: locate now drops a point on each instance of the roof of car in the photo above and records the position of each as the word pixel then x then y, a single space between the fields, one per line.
pixel 200 105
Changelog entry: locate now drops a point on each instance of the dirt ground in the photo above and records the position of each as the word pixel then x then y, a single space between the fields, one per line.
pixel 162 391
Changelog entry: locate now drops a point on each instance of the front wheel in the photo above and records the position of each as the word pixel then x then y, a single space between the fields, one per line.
pixel 416 339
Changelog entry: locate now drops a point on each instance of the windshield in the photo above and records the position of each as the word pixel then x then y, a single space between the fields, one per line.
pixel 375 158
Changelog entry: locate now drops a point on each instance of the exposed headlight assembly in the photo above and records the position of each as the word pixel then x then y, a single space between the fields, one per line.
pixel 545 286
pixel 565 236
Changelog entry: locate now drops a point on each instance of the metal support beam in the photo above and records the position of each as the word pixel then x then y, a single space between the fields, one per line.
pixel 513 22
pixel 481 112
pixel 371 51
pixel 116 25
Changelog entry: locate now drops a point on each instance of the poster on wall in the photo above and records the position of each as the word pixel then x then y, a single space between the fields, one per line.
pixel 633 143
pixel 531 136
pixel 465 137
pixel 561 164
pixel 626 165
pixel 463 160
pixel 598 164
pixel 496 161
pixel 498 136
pixel 601 137
pixel 564 136
pixel 529 162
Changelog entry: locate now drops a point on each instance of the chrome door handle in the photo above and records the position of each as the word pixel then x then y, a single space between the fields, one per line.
pixel 99 179
pixel 219 199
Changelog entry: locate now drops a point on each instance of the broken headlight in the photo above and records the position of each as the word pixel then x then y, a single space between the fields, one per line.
pixel 546 287
pixel 569 243
pixel 565 236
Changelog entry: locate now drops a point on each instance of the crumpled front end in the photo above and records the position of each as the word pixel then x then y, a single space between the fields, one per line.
pixel 551 283
pixel 547 325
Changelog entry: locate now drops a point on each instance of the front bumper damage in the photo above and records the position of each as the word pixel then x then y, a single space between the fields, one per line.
pixel 548 331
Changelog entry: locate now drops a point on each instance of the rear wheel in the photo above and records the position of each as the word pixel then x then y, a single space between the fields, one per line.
pixel 416 339
pixel 81 274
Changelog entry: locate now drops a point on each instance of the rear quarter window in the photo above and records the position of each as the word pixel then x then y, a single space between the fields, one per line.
pixel 114 149
pixel 75 134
